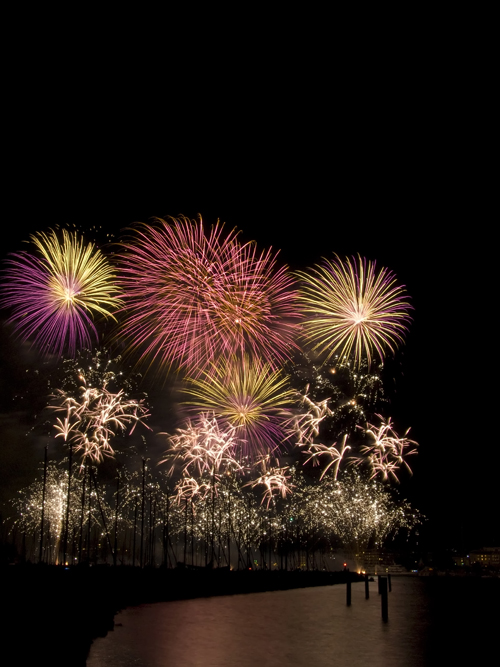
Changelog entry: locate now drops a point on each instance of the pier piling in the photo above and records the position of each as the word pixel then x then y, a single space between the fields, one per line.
pixel 384 601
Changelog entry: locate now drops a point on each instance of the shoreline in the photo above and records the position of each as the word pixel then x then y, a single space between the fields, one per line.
pixel 57 612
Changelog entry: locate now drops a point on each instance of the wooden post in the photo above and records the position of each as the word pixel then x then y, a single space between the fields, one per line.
pixel 348 590
pixel 367 588
pixel 389 582
pixel 383 587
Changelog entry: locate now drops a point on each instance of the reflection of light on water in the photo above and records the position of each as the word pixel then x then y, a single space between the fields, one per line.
pixel 310 626
pixel 296 627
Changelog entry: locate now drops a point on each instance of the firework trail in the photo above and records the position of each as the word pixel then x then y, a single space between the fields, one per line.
pixel 352 309
pixel 336 455
pixel 250 396
pixel 193 296
pixel 93 419
pixel 189 489
pixel 275 482
pixel 305 425
pixel 55 293
pixel 202 447
pixel 387 451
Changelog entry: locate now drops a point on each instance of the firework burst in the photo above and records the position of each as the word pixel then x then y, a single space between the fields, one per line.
pixel 192 296
pixel 387 452
pixel 353 309
pixel 202 446
pixel 93 419
pixel 250 396
pixel 55 293
pixel 305 425
pixel 275 482
pixel 333 453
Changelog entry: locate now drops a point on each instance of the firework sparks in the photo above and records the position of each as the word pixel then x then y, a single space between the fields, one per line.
pixel 355 510
pixel 203 447
pixel 255 308
pixel 50 499
pixel 275 482
pixel 352 309
pixel 93 420
pixel 305 425
pixel 53 293
pixel 248 395
pixel 193 296
pixel 188 488
pixel 387 453
pixel 317 450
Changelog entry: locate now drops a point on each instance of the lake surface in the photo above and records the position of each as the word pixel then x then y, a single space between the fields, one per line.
pixel 431 622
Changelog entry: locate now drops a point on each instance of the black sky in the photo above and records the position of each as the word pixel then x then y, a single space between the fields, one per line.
pixel 405 188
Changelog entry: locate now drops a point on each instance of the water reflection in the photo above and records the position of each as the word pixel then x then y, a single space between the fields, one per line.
pixel 301 627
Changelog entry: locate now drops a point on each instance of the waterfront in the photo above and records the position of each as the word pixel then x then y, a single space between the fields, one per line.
pixel 431 621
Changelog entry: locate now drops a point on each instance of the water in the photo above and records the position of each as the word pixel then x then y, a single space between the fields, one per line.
pixel 431 622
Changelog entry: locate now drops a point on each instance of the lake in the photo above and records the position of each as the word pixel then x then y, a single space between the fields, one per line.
pixel 432 621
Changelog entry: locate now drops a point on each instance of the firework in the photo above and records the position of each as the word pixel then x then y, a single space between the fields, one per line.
pixel 317 450
pixel 387 451
pixel 355 510
pixel 275 481
pixel 305 425
pixel 55 293
pixel 203 447
pixel 93 419
pixel 52 501
pixel 255 307
pixel 192 296
pixel 248 395
pixel 352 309
pixel 188 488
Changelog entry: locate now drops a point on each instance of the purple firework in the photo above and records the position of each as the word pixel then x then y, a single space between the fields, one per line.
pixel 54 293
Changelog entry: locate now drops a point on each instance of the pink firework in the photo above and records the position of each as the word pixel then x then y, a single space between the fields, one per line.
pixel 192 296
pixel 55 292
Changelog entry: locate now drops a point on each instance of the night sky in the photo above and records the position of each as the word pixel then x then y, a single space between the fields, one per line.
pixel 405 194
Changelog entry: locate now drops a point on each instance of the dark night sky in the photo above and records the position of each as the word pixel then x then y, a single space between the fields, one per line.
pixel 403 191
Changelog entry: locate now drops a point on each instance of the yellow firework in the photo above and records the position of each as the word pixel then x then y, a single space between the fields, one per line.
pixel 249 395
pixel 351 309
pixel 79 275
pixel 54 291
